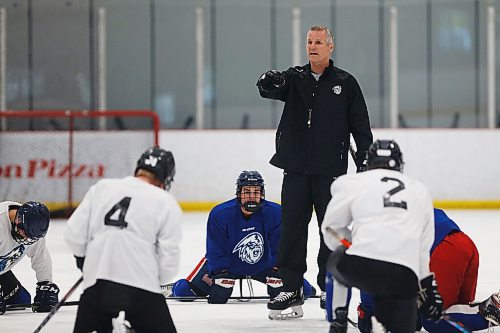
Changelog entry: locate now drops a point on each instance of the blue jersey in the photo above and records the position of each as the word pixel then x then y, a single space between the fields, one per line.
pixel 244 246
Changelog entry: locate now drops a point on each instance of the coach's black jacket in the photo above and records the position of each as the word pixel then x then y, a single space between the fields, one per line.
pixel 313 133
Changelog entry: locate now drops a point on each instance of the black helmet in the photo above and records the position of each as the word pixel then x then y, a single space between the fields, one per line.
pixel 31 223
pixel 385 154
pixel 250 178
pixel 160 163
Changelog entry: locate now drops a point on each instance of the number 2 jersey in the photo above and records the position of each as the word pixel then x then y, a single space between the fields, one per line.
pixel 129 232
pixel 11 252
pixel 392 218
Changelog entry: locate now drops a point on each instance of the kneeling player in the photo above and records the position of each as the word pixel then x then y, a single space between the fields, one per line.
pixel 392 234
pixel 242 240
pixel 455 262
pixel 22 232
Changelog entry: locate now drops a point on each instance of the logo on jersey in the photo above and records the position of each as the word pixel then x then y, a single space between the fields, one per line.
pixel 251 248
pixel 337 90
pixel 11 258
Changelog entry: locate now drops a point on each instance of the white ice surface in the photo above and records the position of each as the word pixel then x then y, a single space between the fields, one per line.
pixel 482 226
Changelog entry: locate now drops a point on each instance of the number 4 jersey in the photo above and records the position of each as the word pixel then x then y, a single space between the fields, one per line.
pixel 392 218
pixel 129 233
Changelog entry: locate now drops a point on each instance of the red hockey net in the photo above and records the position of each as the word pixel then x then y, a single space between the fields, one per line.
pixel 55 156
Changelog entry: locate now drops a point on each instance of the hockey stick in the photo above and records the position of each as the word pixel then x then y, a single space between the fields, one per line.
pixel 21 306
pixel 58 305
pixel 342 240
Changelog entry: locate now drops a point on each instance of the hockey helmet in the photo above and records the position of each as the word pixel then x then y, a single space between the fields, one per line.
pixel 250 178
pixel 160 163
pixel 31 223
pixel 385 154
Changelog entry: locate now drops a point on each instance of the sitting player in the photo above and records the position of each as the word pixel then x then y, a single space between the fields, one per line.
pixel 454 261
pixel 22 231
pixel 242 241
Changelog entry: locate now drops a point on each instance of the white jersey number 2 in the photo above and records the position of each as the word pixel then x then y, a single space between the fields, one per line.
pixel 387 195
pixel 122 207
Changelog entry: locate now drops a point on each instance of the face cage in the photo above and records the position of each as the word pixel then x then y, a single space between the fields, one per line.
pixel 20 239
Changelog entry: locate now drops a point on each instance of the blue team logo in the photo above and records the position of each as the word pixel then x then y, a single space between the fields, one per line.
pixel 10 258
pixel 251 248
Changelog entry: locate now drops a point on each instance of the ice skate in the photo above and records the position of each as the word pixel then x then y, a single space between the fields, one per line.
pixel 292 300
pixel 490 309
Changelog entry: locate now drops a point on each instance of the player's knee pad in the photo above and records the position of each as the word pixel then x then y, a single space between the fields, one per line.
pixel 182 288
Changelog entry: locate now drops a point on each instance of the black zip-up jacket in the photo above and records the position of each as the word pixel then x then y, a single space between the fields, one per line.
pixel 318 116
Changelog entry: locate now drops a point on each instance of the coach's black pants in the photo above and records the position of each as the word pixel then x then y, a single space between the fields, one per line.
pixel 146 311
pixel 301 193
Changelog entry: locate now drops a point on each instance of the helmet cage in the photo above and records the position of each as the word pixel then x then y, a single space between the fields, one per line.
pixel 250 178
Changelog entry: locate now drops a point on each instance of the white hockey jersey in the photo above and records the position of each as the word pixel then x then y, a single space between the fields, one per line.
pixel 129 233
pixel 11 251
pixel 391 214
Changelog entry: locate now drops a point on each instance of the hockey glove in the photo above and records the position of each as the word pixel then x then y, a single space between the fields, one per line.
pixel 430 303
pixel 364 319
pixel 222 288
pixel 3 305
pixel 46 296
pixel 271 80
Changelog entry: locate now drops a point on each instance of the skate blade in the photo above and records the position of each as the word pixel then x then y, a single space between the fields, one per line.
pixel 295 313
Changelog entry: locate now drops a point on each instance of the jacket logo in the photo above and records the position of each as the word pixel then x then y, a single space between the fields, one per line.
pixel 337 90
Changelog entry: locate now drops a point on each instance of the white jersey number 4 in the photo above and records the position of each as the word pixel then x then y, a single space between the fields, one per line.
pixel 120 207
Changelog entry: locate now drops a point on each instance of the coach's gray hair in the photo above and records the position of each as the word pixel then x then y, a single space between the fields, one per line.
pixel 329 34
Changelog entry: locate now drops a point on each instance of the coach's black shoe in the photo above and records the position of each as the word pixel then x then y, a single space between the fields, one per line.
pixel 285 300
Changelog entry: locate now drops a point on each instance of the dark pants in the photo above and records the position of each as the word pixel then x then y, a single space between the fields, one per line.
pixel 146 311
pixel 393 286
pixel 13 291
pixel 301 193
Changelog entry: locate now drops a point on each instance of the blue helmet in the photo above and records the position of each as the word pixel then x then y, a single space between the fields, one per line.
pixel 160 163
pixel 250 178
pixel 384 154
pixel 31 223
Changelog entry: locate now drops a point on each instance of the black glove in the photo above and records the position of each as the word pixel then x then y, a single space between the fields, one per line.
pixel 3 305
pixel 79 262
pixel 430 303
pixel 222 288
pixel 271 80
pixel 46 296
